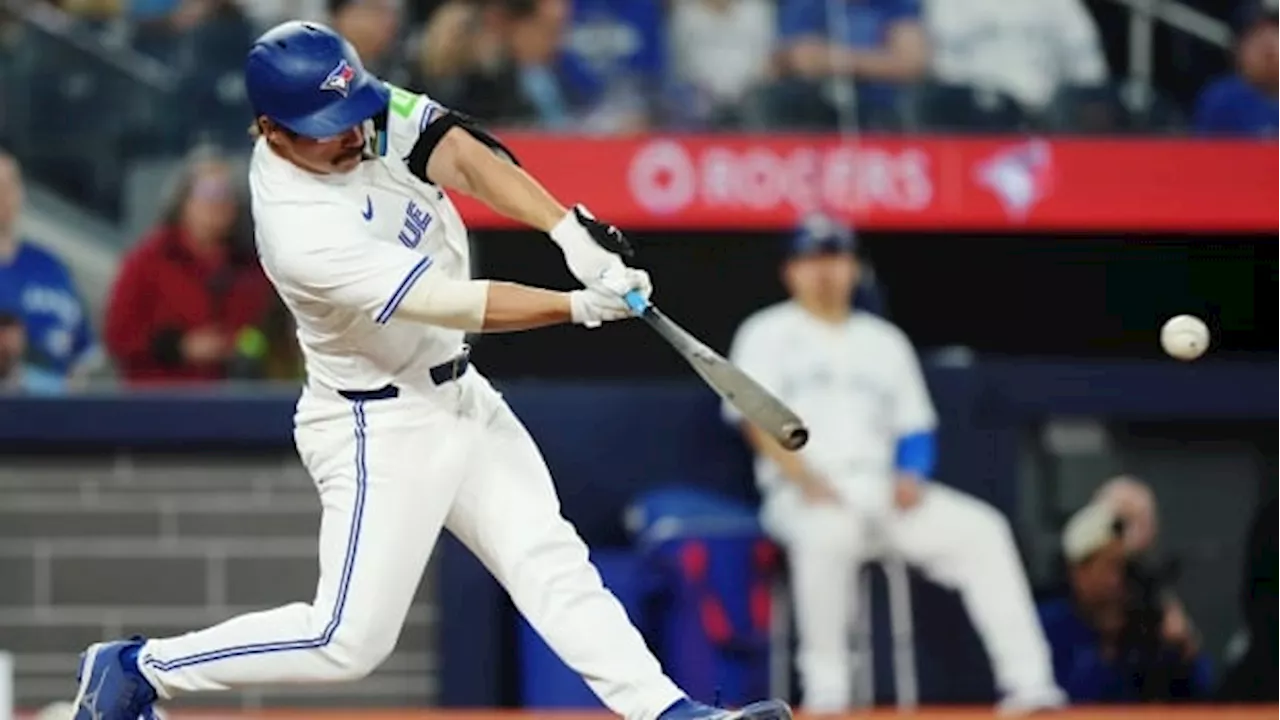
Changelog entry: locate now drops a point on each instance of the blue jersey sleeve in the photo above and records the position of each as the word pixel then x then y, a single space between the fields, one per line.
pixel 917 454
pixel 797 18
pixel 86 342
pixel 81 331
pixel 1211 111
pixel 58 330
pixel 897 10
pixel 83 341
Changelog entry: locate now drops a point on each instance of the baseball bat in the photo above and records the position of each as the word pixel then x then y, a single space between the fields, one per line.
pixel 751 399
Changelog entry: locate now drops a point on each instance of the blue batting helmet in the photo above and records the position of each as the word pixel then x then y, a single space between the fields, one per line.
pixel 309 79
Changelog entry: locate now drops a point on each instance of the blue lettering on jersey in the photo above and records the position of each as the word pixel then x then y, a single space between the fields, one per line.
pixel 416 221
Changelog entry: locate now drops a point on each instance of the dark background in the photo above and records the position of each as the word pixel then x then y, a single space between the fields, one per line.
pixel 999 294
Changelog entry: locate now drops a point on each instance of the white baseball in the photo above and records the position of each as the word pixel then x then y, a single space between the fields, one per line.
pixel 1185 337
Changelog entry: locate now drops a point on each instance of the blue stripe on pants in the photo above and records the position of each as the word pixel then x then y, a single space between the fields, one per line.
pixel 348 566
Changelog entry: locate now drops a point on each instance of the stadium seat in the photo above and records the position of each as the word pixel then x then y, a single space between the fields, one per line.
pixel 157 42
pixel 797 105
pixel 936 107
pixel 67 141
pixel 216 99
pixel 1112 109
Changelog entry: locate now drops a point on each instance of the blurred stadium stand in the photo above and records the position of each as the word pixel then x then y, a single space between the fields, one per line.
pixel 86 97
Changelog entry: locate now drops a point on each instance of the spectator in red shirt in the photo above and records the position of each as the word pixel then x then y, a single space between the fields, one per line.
pixel 191 292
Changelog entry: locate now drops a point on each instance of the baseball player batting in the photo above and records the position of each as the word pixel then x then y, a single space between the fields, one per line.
pixel 356 231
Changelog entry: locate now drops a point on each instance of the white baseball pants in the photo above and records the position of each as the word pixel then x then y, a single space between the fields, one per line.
pixel 391 473
pixel 956 540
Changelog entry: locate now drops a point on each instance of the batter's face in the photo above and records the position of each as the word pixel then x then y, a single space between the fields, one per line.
pixel 11 194
pixel 823 281
pixel 335 155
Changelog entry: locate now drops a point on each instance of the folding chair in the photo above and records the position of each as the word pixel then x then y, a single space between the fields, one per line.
pixel 902 627
pixel 906 681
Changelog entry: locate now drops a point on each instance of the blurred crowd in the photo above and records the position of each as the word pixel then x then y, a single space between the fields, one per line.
pixel 600 66
pixel 90 86
pixel 190 304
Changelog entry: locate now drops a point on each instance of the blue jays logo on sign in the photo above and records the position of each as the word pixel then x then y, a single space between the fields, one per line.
pixel 416 221
pixel 339 79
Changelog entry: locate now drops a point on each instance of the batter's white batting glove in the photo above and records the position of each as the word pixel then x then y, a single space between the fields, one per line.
pixel 590 247
pixel 620 281
pixel 603 301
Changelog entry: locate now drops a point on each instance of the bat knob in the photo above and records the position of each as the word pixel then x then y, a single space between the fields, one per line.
pixel 794 436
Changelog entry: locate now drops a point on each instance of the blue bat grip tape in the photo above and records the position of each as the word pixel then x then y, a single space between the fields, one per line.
pixel 637 302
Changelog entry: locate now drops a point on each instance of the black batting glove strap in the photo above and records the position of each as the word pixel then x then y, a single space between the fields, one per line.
pixel 608 237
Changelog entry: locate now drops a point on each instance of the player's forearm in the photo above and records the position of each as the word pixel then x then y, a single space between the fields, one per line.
pixel 512 307
pixel 504 187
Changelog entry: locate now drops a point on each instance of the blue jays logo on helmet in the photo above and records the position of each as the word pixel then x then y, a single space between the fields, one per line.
pixel 307 78
pixel 339 79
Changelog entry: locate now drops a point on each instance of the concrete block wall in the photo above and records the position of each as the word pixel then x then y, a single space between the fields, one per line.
pixel 105 546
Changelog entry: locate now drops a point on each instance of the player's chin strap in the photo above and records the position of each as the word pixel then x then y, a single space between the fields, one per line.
pixel 434 133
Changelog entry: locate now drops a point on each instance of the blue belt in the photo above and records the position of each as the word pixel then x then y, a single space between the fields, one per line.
pixel 445 372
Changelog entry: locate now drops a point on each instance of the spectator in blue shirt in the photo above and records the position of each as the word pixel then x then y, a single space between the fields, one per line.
pixel 879 44
pixel 1244 104
pixel 37 286
pixel 1092 629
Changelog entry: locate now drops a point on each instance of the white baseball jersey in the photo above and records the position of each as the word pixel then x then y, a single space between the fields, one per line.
pixel 343 250
pixel 857 385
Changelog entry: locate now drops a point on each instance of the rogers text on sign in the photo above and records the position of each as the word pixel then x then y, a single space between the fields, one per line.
pixel 670 176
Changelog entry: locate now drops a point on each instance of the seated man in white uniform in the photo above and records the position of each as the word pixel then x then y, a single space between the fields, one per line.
pixel 862 484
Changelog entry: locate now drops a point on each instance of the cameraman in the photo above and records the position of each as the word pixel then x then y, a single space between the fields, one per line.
pixel 1150 579
pixel 1114 636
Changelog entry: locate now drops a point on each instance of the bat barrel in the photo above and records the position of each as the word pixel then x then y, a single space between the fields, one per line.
pixel 794 436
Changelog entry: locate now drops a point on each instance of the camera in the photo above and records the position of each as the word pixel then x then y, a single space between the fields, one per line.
pixel 1160 669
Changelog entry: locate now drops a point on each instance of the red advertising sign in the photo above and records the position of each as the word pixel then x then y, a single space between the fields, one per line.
pixel 908 183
